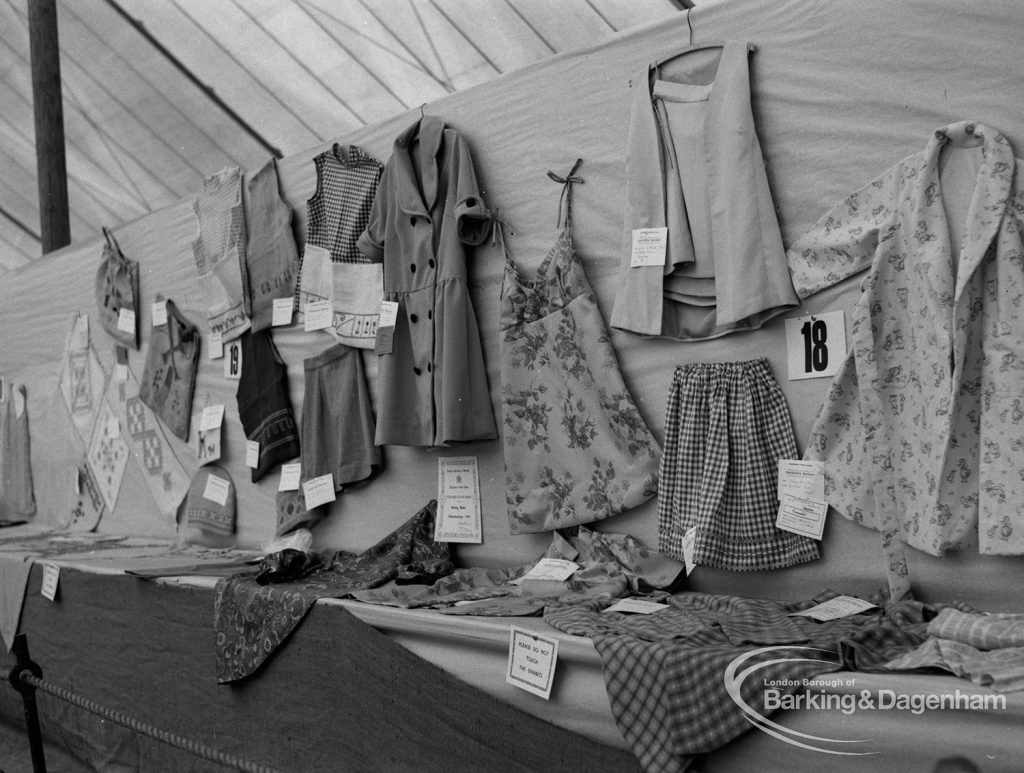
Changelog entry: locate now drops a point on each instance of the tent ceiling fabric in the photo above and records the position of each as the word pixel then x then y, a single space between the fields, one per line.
pixel 158 94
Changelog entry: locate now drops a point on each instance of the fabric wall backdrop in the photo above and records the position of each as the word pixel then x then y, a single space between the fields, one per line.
pixel 841 91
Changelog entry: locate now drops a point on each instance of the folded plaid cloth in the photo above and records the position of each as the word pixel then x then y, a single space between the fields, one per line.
pixel 666 672
pixel 1001 669
pixel 985 632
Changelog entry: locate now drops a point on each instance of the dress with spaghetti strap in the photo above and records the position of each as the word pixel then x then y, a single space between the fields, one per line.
pixel 576 448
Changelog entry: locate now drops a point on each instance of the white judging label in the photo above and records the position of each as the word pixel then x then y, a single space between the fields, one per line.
pixel 291 475
pixel 802 516
pixel 319 491
pixel 252 453
pixel 318 315
pixel 689 541
pixel 816 345
pixel 126 320
pixel 388 314
pixel 216 345
pixel 211 417
pixel 801 479
pixel 159 312
pixel 648 247
pixel 636 606
pixel 216 489
pixel 51 576
pixel 283 308
pixel 458 501
pixel 833 609
pixel 531 661
pixel 557 569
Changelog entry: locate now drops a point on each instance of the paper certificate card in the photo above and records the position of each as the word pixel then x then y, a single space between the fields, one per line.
pixel 802 479
pixel 557 569
pixel 159 313
pixel 636 606
pixel 216 345
pixel 458 500
pixel 833 609
pixel 282 314
pixel 252 453
pixel 802 516
pixel 319 491
pixel 318 315
pixel 126 320
pixel 51 576
pixel 531 661
pixel 648 247
pixel 689 544
pixel 211 417
pixel 216 490
pixel 291 474
pixel 388 314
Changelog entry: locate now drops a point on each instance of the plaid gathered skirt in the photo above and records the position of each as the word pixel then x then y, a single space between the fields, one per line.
pixel 726 426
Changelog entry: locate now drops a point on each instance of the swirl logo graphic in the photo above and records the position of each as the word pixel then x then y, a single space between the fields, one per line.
pixel 738 671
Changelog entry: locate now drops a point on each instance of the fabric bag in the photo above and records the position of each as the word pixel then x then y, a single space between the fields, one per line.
pixel 117 288
pixel 169 378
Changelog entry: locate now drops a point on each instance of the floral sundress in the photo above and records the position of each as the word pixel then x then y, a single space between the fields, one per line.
pixel 576 448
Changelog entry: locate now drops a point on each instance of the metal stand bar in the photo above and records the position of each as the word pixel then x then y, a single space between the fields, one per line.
pixel 28 697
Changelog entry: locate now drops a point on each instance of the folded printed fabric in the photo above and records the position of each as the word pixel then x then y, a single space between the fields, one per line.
pixel 610 566
pixel 251 620
pixel 985 632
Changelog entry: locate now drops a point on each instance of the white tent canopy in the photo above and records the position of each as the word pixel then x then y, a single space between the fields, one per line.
pixel 159 93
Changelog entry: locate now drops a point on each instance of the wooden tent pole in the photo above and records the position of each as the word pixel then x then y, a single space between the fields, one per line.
pixel 44 47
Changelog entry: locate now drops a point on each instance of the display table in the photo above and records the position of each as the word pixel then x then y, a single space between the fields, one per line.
pixel 365 687
pixel 341 695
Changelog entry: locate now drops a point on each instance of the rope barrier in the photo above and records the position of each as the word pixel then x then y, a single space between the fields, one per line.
pixel 172 739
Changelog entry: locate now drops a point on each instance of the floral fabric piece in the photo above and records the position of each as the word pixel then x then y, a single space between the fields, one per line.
pixel 611 566
pixel 251 620
pixel 576 448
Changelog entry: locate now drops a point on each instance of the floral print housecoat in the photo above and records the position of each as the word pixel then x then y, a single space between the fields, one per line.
pixel 922 431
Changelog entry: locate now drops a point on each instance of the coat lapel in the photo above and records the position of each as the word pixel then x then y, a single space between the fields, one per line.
pixel 988 204
pixel 418 175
